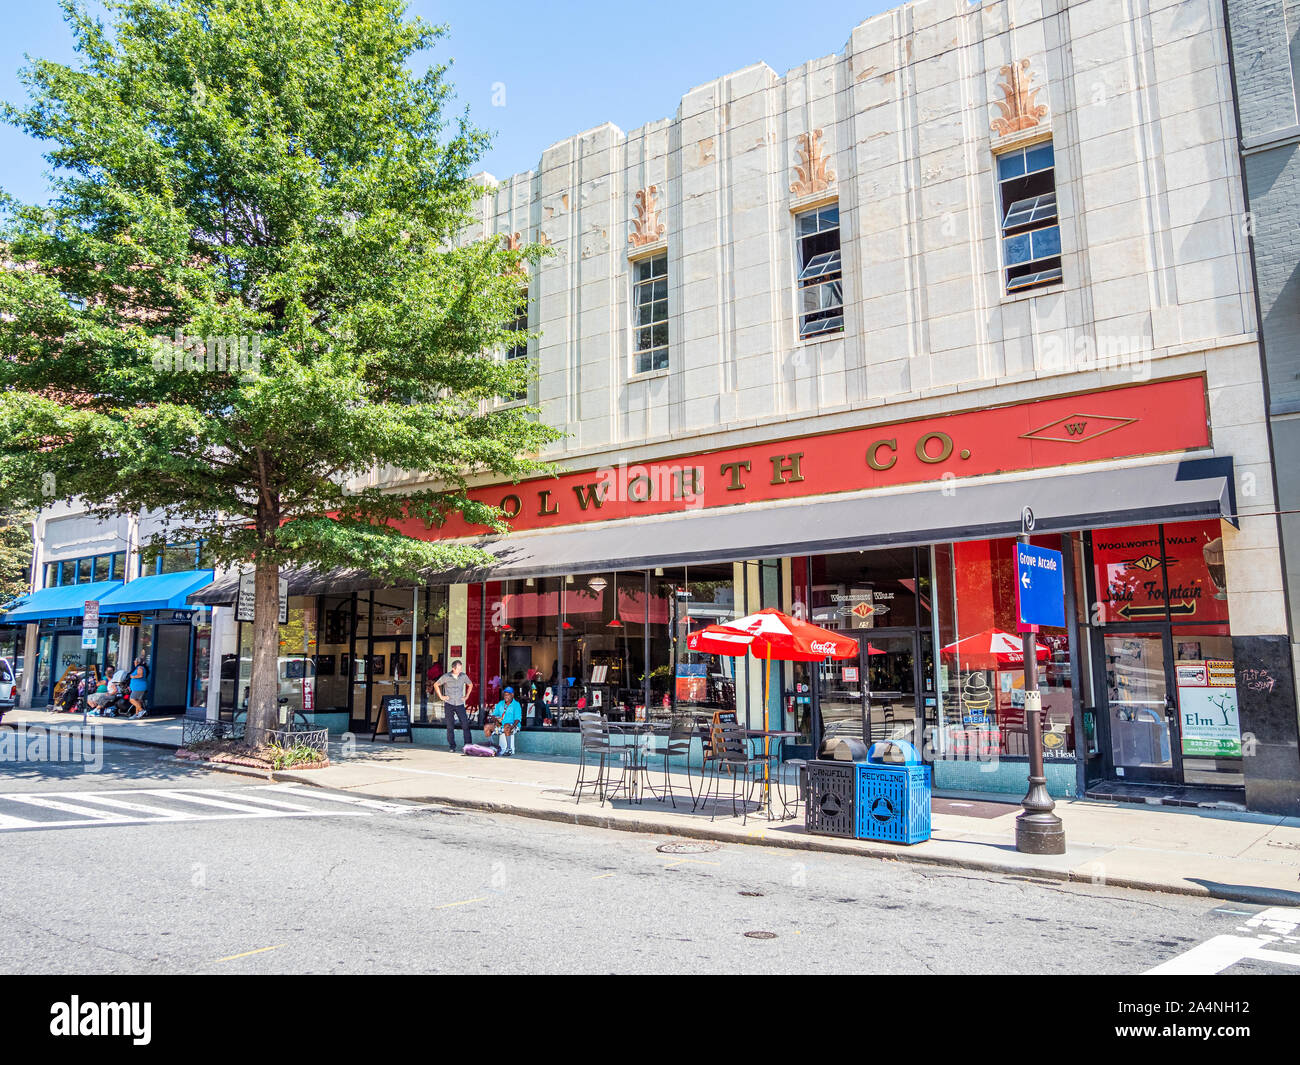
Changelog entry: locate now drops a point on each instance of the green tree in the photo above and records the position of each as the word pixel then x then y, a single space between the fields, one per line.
pixel 15 555
pixel 274 172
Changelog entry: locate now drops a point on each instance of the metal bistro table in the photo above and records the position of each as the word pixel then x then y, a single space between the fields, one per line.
pixel 704 729
pixel 635 754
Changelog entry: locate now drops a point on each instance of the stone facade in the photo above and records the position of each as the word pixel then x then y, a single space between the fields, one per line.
pixel 902 129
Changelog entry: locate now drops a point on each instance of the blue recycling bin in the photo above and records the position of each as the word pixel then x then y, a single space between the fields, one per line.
pixel 893 801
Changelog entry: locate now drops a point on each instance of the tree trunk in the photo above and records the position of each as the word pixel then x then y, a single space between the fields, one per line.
pixel 264 693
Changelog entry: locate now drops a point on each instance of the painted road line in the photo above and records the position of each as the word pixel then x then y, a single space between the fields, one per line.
pixel 249 953
pixel 46 803
pixel 15 822
pixel 135 807
pixel 205 799
pixel 258 795
pixel 1219 953
pixel 463 902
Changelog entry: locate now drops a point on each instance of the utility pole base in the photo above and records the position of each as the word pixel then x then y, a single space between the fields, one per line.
pixel 1040 834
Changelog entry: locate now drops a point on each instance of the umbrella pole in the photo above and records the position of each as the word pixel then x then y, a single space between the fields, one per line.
pixel 767 684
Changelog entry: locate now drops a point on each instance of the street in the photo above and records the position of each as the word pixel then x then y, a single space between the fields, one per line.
pixel 153 867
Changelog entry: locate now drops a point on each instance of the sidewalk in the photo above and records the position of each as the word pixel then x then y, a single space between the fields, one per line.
pixel 1219 854
pixel 150 731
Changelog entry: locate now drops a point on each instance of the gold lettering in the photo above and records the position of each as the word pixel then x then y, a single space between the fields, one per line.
pixel 544 503
pixel 786 468
pixel 511 505
pixel 872 454
pixel 945 441
pixel 689 476
pixel 632 492
pixel 589 493
pixel 734 469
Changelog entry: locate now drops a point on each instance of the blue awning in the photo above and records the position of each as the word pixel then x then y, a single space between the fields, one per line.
pixel 165 591
pixel 65 601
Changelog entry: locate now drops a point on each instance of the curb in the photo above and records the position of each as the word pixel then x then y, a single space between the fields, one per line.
pixel 822 844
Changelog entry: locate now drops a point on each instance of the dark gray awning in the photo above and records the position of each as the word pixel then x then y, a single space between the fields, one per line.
pixel 944 511
pixel 941 512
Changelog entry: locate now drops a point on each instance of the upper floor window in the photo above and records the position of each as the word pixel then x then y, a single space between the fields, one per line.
pixel 85 570
pixel 517 348
pixel 1031 231
pixel 178 558
pixel 820 278
pixel 650 303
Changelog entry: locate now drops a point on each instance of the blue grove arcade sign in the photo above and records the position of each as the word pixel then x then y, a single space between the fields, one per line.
pixel 1040 587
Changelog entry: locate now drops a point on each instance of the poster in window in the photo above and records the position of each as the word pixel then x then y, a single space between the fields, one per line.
pixel 692 682
pixel 324 665
pixel 1207 708
pixel 1140 567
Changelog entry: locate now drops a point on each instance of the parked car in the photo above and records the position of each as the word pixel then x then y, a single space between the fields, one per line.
pixel 8 685
pixel 238 672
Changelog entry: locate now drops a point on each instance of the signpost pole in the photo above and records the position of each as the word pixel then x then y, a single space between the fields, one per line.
pixel 1038 829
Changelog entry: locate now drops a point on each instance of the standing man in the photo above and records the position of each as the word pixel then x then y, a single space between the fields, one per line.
pixel 453 689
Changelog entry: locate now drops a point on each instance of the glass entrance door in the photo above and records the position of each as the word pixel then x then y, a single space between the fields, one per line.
pixel 872 697
pixel 891 687
pixel 1144 745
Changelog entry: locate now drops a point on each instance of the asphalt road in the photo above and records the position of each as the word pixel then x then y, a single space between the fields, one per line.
pixel 152 867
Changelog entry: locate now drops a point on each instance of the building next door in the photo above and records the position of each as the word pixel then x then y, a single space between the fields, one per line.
pixel 169 669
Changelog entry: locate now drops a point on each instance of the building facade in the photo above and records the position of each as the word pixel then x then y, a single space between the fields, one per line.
pixel 143 608
pixel 818 342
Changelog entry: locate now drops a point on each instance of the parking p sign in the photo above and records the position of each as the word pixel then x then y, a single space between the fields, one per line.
pixel 1040 587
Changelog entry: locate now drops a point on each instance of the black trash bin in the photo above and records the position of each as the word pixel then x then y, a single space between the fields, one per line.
pixel 831 800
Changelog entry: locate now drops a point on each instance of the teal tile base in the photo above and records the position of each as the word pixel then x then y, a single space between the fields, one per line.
pixel 335 720
pixel 1003 778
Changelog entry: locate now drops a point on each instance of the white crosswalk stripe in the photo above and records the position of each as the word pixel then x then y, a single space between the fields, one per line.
pixel 1271 927
pixel 145 806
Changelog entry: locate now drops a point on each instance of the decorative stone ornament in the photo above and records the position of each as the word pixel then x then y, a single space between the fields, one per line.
pixel 513 242
pixel 647 228
pixel 1019 111
pixel 813 171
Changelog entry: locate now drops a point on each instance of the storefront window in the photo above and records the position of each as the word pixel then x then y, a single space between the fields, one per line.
pixel 705 595
pixel 981 661
pixel 335 623
pixel 522 645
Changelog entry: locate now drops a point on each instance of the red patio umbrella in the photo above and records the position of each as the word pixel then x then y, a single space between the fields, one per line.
pixel 994 649
pixel 770 634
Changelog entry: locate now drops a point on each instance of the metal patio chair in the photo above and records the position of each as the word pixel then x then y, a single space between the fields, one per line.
pixel 596 747
pixel 732 757
pixel 678 745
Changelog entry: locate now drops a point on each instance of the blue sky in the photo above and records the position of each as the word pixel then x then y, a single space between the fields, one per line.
pixel 565 66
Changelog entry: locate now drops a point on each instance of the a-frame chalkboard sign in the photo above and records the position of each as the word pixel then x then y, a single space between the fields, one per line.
pixel 394 718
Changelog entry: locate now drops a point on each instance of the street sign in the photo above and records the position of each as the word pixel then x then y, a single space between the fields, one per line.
pixel 90 625
pixel 1040 587
pixel 248 597
pixel 129 620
